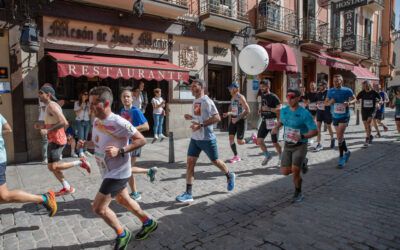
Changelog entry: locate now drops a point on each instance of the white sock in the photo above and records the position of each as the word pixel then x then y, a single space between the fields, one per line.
pixel 66 184
pixel 77 163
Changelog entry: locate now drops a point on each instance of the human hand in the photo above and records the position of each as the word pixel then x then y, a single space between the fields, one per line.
pixel 112 151
pixel 188 117
pixel 195 126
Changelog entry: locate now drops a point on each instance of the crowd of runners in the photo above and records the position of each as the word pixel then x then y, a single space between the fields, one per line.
pixel 117 140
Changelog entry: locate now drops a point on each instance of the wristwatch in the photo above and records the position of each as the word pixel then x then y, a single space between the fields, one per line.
pixel 202 125
pixel 121 151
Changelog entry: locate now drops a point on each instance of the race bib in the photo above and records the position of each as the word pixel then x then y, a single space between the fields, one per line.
pixel 291 135
pixel 265 108
pixel 234 119
pixel 101 163
pixel 368 103
pixel 321 105
pixel 312 106
pixel 339 108
pixel 270 123
pixel 234 110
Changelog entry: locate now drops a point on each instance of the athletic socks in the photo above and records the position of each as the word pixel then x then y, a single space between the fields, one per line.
pixel 145 220
pixel 121 233
pixel 189 188
pixel 298 189
pixel 342 147
pixel 44 197
pixel 234 150
pixel 228 175
pixel 66 184
pixel 77 163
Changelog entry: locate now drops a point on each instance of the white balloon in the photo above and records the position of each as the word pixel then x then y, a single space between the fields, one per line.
pixel 253 59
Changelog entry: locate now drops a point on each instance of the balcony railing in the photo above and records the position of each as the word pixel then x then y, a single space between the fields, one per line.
pixel 278 18
pixel 315 30
pixel 379 2
pixel 235 9
pixel 364 47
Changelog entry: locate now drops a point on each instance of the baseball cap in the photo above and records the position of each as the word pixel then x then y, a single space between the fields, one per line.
pixel 49 90
pixel 233 85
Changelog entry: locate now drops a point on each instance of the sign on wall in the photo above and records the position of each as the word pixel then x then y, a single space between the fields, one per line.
pixel 188 56
pixel 349 39
pixel 349 4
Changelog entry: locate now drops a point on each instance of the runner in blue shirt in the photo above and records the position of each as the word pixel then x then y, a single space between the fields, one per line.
pixel 137 119
pixel 339 98
pixel 299 126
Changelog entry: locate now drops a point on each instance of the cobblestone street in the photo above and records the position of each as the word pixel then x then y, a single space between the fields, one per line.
pixel 354 208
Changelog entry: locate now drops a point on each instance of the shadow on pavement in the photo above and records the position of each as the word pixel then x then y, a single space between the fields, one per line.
pixel 95 244
pixel 19 229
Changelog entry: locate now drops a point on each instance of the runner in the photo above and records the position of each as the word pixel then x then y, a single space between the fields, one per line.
pixel 137 119
pixel 55 123
pixel 111 134
pixel 303 97
pixel 323 115
pixel 270 107
pixel 238 111
pixel 48 199
pixel 370 99
pixel 205 115
pixel 340 98
pixel 380 112
pixel 396 104
pixel 311 99
pixel 299 126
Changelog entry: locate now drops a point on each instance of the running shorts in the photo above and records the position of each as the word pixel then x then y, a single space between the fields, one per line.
pixel 208 146
pixel 367 113
pixel 293 155
pixel 324 116
pixel 237 129
pixel 379 115
pixel 263 132
pixel 113 186
pixel 54 152
pixel 340 120
pixel 3 167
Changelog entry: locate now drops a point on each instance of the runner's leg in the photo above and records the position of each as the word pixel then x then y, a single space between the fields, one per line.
pixel 18 196
pixel 101 208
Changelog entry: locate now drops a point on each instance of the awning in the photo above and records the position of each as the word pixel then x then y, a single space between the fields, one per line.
pixel 363 73
pixel 117 67
pixel 331 61
pixel 281 57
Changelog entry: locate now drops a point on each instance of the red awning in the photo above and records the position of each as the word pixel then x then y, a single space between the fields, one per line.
pixel 117 67
pixel 363 73
pixel 331 61
pixel 281 57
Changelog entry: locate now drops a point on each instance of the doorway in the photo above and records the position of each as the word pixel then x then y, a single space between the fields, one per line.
pixel 309 72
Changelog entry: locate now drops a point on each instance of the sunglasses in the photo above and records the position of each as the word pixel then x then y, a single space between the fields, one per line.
pixel 291 96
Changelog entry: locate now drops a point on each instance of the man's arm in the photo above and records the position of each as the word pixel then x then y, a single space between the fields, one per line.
pixel 245 106
pixel 143 127
pixel 213 119
pixel 137 141
pixel 6 128
pixel 57 112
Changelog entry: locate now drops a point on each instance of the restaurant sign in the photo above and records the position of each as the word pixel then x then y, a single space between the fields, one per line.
pixel 349 4
pixel 349 41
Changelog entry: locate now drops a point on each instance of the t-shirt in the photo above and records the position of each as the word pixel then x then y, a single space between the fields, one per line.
pixel 340 95
pixel 3 153
pixel 299 122
pixel 312 98
pixel 269 100
pixel 321 96
pixel 133 115
pixel 203 108
pixel 397 106
pixel 157 101
pixel 137 102
pixel 84 113
pixel 368 99
pixel 112 131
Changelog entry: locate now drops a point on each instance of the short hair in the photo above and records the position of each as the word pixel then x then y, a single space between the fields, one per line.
pixel 338 75
pixel 136 88
pixel 266 82
pixel 295 91
pixel 367 82
pixel 104 93
pixel 199 82
pixel 123 89
pixel 157 90
pixel 322 82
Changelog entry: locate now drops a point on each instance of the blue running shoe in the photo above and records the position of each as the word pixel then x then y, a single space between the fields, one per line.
pixel 342 161
pixel 347 156
pixel 298 197
pixel 267 158
pixel 184 198
pixel 231 181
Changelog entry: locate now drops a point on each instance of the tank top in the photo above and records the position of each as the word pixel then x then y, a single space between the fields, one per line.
pixel 397 107
pixel 55 136
pixel 236 106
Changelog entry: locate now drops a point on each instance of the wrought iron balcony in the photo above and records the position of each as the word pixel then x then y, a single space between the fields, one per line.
pixel 274 17
pixel 376 5
pixel 235 9
pixel 314 31
pixel 363 47
pixel 182 3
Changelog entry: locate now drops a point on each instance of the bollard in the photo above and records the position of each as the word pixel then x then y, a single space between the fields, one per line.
pixel 171 157
pixel 358 117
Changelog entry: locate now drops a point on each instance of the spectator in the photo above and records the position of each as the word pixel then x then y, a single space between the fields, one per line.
pixel 137 101
pixel 158 114
pixel 71 140
pixel 82 112
pixel 143 97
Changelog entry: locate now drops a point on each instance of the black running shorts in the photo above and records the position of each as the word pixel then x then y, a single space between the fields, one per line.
pixel 113 186
pixel 237 129
pixel 263 132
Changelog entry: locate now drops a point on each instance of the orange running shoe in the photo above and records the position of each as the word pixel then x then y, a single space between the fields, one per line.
pixel 85 164
pixel 51 203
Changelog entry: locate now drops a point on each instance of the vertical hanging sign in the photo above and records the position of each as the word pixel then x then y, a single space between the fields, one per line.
pixel 349 41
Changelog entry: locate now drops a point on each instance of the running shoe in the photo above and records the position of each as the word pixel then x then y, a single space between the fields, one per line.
pixel 152 174
pixel 51 203
pixel 304 166
pixel 88 154
pixel 135 196
pixel 45 162
pixel 371 138
pixel 342 162
pixel 333 143
pixel 267 158
pixel 74 155
pixel 297 197
pixel 184 198
pixel 155 137
pixel 347 156
pixel 378 135
pixel 385 128
pixel 147 228
pixel 64 191
pixel 318 148
pixel 81 155
pixel 161 136
pixel 366 143
pixel 122 242
pixel 231 181
pixel 85 164
pixel 235 159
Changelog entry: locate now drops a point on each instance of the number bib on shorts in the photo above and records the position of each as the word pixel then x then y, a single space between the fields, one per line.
pixel 101 163
pixel 292 135
pixel 270 123
pixel 312 106
pixel 321 105
pixel 339 108
pixel 368 103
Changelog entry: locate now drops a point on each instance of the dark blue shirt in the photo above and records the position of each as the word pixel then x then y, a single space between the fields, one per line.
pixel 340 96
pixel 134 116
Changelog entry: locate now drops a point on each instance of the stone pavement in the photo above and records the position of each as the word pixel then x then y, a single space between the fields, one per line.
pixel 354 208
